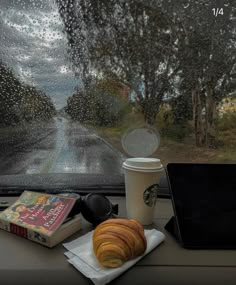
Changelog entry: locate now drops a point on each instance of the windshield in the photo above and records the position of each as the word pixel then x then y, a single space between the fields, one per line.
pixel 85 84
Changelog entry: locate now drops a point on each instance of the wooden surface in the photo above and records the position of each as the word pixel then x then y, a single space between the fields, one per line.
pixel 23 261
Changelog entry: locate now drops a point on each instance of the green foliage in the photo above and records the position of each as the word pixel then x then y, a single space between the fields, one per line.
pixel 36 105
pixel 20 102
pixel 176 132
pixel 79 106
pixel 181 107
pixel 101 104
pixel 168 126
pixel 95 107
pixel 105 113
pixel 164 119
pixel 227 122
pixel 9 96
pixel 110 98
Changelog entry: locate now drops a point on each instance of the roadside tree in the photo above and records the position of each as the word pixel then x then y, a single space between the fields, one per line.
pixel 127 39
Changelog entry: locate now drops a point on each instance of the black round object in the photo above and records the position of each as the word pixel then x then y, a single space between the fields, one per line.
pixel 96 208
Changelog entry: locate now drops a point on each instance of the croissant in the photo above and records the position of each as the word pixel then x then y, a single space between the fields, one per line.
pixel 116 241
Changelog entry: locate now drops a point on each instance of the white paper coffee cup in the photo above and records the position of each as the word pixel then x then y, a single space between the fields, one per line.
pixel 142 178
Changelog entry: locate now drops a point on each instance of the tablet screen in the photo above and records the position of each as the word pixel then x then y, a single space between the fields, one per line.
pixel 204 200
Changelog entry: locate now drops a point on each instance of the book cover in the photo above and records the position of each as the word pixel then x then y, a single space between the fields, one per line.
pixel 36 216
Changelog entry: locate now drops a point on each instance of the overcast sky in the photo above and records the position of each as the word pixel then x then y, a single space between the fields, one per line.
pixel 32 42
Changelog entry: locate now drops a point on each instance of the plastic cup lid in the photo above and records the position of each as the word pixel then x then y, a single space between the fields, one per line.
pixel 143 164
pixel 141 142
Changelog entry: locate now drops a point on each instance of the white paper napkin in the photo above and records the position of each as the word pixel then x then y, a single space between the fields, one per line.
pixel 80 254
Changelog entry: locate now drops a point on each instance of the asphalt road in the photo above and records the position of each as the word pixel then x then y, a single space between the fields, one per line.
pixel 61 146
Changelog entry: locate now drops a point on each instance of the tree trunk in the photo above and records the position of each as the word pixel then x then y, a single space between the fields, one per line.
pixel 197 116
pixel 210 136
pixel 149 112
pixel 149 118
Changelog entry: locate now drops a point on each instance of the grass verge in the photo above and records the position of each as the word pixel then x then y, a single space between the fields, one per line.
pixel 184 151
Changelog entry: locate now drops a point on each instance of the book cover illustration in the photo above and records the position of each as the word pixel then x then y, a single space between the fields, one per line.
pixel 40 212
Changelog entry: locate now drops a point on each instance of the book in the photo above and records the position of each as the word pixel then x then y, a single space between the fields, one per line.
pixel 40 217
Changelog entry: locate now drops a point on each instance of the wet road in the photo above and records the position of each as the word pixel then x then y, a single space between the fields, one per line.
pixel 61 146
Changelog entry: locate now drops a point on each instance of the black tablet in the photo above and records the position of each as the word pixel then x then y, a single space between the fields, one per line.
pixel 204 202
